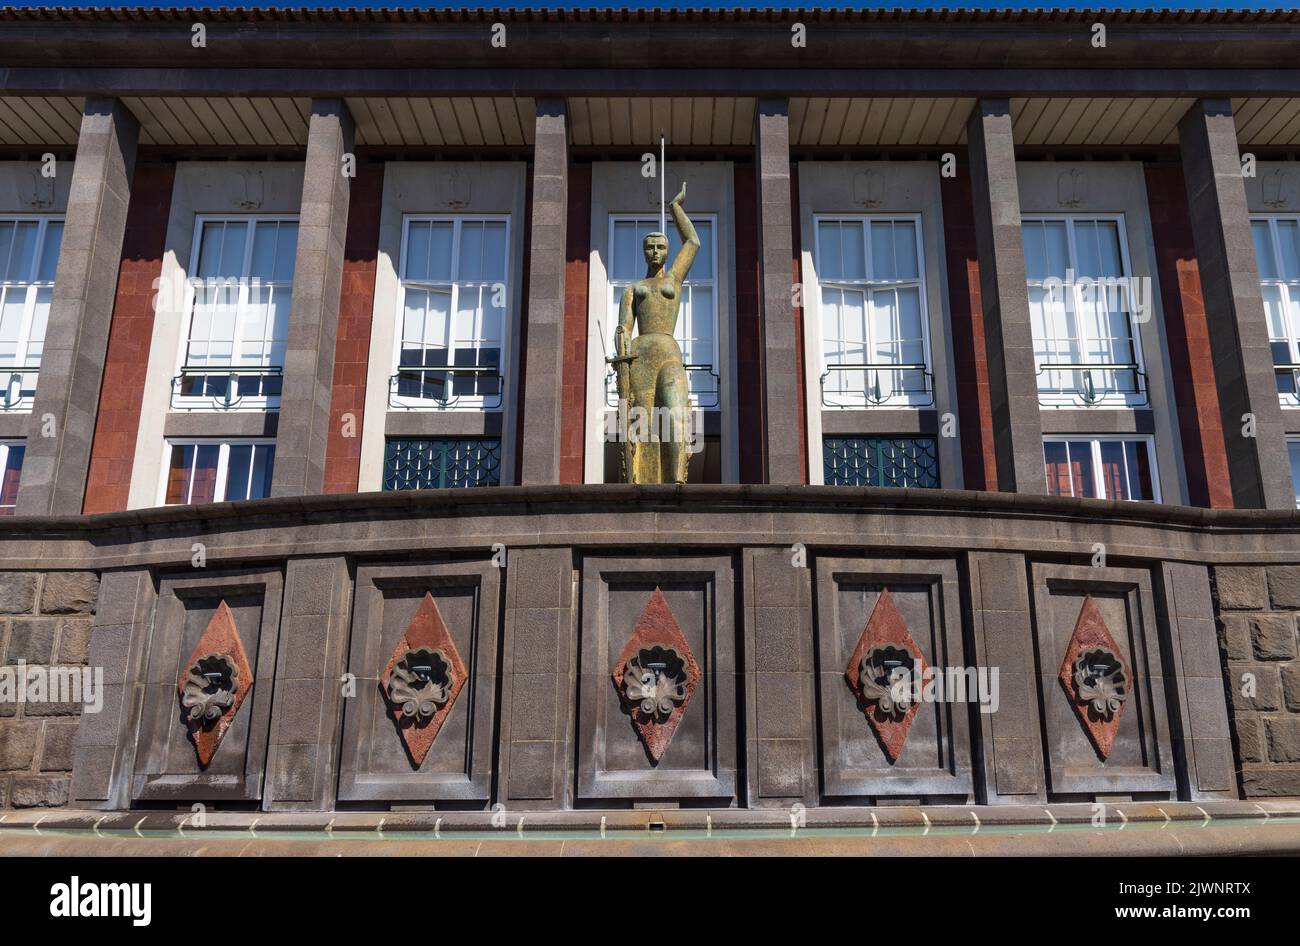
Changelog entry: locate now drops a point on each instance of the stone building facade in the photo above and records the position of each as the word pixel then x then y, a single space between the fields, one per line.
pixel 993 345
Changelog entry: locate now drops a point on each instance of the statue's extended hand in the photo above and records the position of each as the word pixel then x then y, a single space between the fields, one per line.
pixel 681 195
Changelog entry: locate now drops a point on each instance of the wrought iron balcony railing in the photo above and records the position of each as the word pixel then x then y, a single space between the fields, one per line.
pixel 704 383
pixel 421 387
pixel 883 384
pixel 1085 390
pixel 227 388
pixel 20 387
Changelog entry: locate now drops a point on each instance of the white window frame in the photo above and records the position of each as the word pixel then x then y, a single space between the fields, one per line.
pixel 615 287
pixel 1289 292
pixel 33 286
pixel 223 458
pixel 206 403
pixel 471 402
pixel 1108 399
pixel 869 286
pixel 5 446
pixel 1095 441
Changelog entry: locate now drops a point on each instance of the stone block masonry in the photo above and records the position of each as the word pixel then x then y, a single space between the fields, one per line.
pixel 45 620
pixel 1257 610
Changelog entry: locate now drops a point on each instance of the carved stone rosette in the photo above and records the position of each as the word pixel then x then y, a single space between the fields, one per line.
pixel 424 676
pixel 655 676
pixel 214 682
pixel 884 648
pixel 1096 678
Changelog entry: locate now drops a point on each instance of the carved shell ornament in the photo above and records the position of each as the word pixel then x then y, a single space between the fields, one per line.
pixel 421 682
pixel 1100 681
pixel 656 680
pixel 210 688
pixel 885 678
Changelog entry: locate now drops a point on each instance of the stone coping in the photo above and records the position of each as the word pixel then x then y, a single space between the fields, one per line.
pixel 693 497
pixel 1164 828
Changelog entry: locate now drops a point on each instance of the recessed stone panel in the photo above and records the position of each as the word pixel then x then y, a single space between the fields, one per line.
pixel 444 756
pixel 1129 751
pixel 688 602
pixel 177 758
pixel 870 608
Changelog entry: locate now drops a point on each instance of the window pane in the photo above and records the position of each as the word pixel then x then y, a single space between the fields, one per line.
pixel 702 268
pixel 203 489
pixel 262 266
pixel 905 250
pixel 494 251
pixel 50 251
pixel 178 474
pixel 259 485
pixel 1139 471
pixel 1081 472
pixel 286 250
pixel 626 259
pixel 22 257
pixel 1055 459
pixel 883 263
pixel 829 249
pixel 1288 246
pixel 416 263
pixel 1293 448
pixel 1114 475
pixel 13 468
pixel 471 252
pixel 1259 229
pixel 237 469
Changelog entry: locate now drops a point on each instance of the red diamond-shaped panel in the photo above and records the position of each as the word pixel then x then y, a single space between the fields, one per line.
pixel 220 637
pixel 427 630
pixel 885 626
pixel 1090 631
pixel 656 626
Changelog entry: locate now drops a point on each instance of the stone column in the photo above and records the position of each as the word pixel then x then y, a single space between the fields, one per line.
pixel 1009 338
pixel 1243 364
pixel 544 351
pixel 783 390
pixel 62 423
pixel 314 313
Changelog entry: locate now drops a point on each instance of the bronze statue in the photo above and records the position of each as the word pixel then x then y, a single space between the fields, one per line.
pixel 655 401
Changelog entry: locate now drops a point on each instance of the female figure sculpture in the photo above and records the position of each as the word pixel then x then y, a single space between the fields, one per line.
pixel 650 373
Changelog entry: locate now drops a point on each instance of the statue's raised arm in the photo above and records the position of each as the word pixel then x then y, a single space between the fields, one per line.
pixel 690 239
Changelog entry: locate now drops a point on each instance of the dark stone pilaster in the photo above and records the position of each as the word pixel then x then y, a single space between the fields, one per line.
pixel 1013 385
pixel 62 424
pixel 1225 252
pixel 544 353
pixel 782 373
pixel 1010 750
pixel 314 315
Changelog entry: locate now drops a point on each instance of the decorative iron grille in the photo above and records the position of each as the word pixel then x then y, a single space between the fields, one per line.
pixel 439 463
pixel 881 461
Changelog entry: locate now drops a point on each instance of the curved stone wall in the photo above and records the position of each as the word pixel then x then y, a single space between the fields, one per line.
pixel 609 646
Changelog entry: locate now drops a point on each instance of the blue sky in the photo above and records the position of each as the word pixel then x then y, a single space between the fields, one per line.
pixel 666 4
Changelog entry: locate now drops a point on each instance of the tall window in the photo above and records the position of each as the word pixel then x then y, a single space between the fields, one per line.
pixel 1112 468
pixel 214 471
pixel 29 252
pixel 11 469
pixel 697 317
pixel 242 279
pixel 455 292
pixel 1080 306
pixel 1277 254
pixel 872 307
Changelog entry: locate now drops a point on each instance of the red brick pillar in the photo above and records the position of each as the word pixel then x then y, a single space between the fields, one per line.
pixel 126 362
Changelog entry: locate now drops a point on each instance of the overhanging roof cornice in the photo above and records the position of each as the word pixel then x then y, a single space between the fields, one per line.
pixel 631 39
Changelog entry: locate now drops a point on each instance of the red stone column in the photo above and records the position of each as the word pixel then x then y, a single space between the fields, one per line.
pixel 975 413
pixel 577 253
pixel 126 362
pixel 352 345
pixel 1205 457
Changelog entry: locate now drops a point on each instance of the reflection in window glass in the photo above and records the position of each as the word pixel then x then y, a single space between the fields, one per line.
pixel 1094 468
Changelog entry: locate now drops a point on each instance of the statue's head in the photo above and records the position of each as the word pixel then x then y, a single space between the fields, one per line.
pixel 655 248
